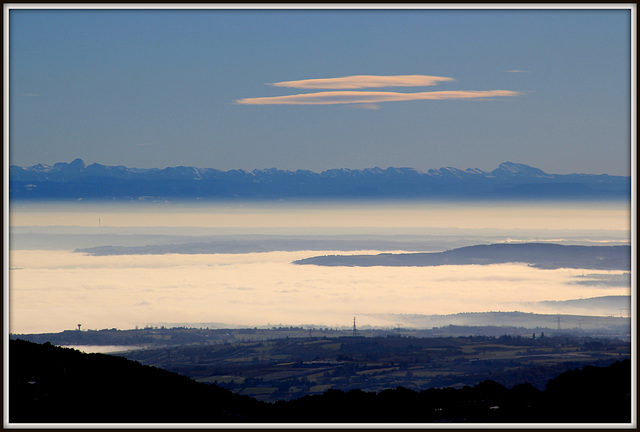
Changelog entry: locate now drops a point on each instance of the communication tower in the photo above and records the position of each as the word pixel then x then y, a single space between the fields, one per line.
pixel 354 327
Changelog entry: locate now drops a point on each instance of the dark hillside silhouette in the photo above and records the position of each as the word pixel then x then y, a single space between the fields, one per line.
pixel 52 384
pixel 60 385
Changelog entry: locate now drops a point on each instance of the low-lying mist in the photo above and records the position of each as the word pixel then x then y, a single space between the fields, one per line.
pixel 56 290
pixel 53 288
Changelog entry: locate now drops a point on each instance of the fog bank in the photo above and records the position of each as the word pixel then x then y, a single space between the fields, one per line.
pixel 56 290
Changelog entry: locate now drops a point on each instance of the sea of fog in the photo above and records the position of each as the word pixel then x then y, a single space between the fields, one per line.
pixel 53 288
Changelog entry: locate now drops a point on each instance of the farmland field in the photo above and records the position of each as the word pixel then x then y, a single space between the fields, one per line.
pixel 288 368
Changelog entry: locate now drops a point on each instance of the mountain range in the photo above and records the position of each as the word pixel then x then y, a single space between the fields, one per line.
pixel 77 180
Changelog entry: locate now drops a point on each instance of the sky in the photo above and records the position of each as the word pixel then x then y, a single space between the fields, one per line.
pixel 322 89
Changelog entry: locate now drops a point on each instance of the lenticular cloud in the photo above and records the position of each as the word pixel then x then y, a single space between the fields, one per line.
pixel 355 97
pixel 364 81
pixel 368 97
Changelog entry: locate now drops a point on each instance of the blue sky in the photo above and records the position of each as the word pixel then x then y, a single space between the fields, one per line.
pixel 158 88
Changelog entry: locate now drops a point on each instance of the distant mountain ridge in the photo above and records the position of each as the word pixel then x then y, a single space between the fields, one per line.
pixel 539 255
pixel 76 180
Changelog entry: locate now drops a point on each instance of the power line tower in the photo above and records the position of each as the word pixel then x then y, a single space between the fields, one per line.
pixel 354 327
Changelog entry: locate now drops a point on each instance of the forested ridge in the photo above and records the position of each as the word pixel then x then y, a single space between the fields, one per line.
pixel 540 255
pixel 61 385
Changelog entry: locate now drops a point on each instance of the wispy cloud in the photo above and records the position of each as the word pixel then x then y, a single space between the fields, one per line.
pixel 368 99
pixel 360 97
pixel 364 81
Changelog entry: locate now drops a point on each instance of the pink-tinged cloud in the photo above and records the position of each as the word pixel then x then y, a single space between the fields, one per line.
pixel 365 97
pixel 364 81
